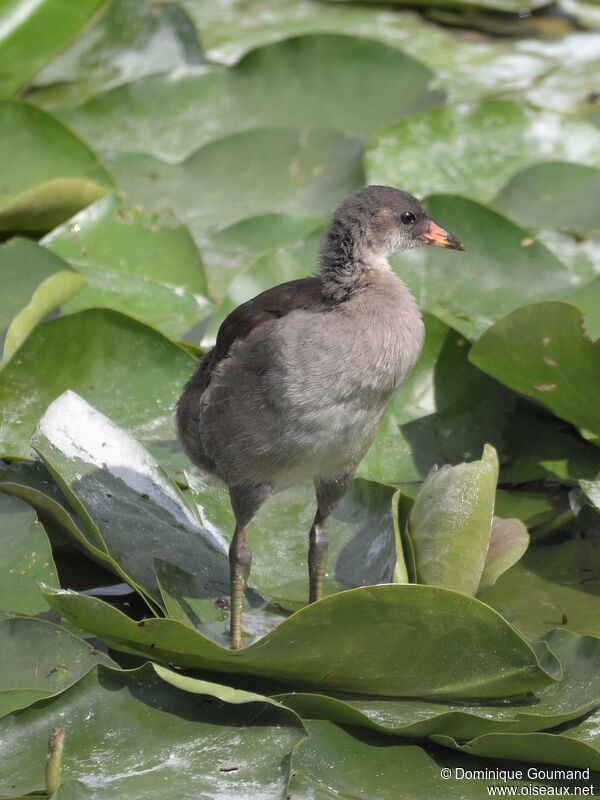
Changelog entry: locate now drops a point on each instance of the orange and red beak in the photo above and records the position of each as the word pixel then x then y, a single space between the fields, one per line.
pixel 438 237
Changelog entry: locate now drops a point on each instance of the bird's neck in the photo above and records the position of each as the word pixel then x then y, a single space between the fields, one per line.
pixel 348 262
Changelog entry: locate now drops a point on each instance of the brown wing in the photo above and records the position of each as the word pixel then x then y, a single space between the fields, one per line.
pixel 276 302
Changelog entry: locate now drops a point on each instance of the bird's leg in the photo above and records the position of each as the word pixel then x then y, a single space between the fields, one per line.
pixel 240 561
pixel 329 494
pixel 245 502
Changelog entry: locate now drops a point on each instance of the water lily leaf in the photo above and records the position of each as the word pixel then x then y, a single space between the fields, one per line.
pixel 128 41
pixel 26 558
pixel 34 282
pixel 137 263
pixel 30 34
pixel 450 523
pixel 587 299
pixel 542 351
pixel 234 248
pixel 388 768
pixel 49 174
pixel 508 542
pixel 501 269
pixel 198 742
pixel 139 391
pixel 493 5
pixel 533 504
pixel 532 198
pixel 490 142
pixel 362 549
pixel 257 172
pixel 577 747
pixel 40 659
pixel 575 695
pixel 592 492
pixel 553 584
pixel 125 499
pixel 280 85
pixel 429 649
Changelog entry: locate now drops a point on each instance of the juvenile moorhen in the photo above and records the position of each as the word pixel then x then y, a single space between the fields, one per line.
pixel 300 375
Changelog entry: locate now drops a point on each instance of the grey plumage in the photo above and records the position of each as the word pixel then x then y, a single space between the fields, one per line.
pixel 301 375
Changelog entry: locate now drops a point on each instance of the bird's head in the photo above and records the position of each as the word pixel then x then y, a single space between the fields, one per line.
pixel 382 220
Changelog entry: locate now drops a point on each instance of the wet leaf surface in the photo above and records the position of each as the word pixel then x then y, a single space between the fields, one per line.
pixel 34 283
pixel 543 352
pixel 196 742
pixel 147 374
pixel 469 650
pixel 39 660
pixel 26 558
pixel 280 85
pixel 135 262
pixel 49 173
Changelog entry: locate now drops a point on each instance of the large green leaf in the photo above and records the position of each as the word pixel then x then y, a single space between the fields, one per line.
pixel 25 560
pixel 34 282
pixel 128 505
pixel 450 523
pixel 346 763
pixel 407 641
pixel 536 198
pixel 129 41
pixel 202 745
pixel 500 270
pixel 48 175
pixel 553 584
pixel 40 659
pixel 281 85
pixel 576 746
pixel 587 299
pixel 474 149
pixel 31 33
pixel 543 352
pixel 126 370
pixel 137 263
pixel 508 542
pixel 575 695
pixel 233 249
pixel 256 172
pixel 362 549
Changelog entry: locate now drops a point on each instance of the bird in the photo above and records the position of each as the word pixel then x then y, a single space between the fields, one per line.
pixel 300 376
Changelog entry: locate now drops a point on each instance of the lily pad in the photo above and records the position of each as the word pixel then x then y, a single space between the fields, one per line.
pixel 128 505
pixel 389 768
pixel 542 351
pixel 508 542
pixel 553 584
pixel 49 174
pixel 127 42
pixel 536 198
pixel 31 33
pixel 280 85
pixel 474 149
pixel 263 171
pixel 575 695
pixel 123 368
pixel 437 644
pixel 198 742
pixel 26 558
pixel 40 659
pixel 362 549
pixel 34 282
pixel 577 747
pixel 502 268
pixel 450 523
pixel 135 262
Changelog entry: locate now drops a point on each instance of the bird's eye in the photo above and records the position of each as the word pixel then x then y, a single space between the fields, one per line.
pixel 407 218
